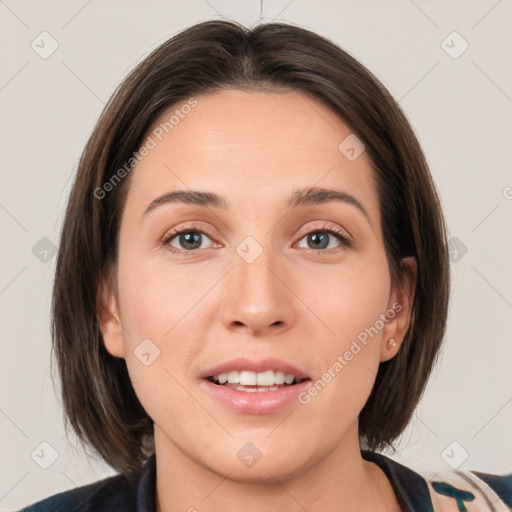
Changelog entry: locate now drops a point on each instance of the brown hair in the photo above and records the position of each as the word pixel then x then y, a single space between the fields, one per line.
pixel 98 398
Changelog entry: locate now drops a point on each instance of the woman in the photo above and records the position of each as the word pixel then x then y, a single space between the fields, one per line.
pixel 252 285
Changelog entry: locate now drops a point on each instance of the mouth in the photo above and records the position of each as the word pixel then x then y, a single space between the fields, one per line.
pixel 256 382
pixel 255 387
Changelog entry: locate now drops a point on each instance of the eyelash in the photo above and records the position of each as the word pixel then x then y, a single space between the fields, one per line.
pixel 328 228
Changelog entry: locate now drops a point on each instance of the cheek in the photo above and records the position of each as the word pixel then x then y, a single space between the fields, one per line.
pixel 169 312
pixel 349 298
pixel 349 304
pixel 162 344
pixel 164 316
pixel 156 295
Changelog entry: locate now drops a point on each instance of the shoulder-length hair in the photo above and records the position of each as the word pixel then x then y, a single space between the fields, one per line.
pixel 98 398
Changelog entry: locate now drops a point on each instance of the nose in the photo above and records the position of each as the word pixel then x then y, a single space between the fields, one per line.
pixel 258 297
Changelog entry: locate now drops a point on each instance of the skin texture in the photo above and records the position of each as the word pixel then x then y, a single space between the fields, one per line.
pixel 294 302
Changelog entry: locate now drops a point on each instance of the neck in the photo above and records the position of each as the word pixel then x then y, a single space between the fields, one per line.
pixel 340 480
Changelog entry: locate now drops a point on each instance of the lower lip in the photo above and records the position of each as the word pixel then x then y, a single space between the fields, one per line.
pixel 258 402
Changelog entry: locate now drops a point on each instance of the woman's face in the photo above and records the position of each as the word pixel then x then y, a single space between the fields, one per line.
pixel 267 278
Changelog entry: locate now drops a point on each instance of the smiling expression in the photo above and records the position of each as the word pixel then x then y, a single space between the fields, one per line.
pixel 248 234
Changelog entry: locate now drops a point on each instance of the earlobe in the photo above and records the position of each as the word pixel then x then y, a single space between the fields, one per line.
pixel 389 349
pixel 402 299
pixel 109 322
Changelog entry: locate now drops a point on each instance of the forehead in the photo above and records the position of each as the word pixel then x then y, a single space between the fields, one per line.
pixel 235 117
pixel 252 143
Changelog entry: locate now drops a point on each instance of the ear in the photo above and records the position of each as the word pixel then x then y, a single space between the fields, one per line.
pixel 110 326
pixel 399 309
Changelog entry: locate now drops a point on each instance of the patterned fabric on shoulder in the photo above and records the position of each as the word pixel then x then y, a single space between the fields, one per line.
pixel 471 491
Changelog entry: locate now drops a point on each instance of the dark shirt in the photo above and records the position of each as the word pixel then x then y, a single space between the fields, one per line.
pixel 135 492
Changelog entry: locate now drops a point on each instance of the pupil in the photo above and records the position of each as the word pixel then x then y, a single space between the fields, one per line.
pixel 191 239
pixel 319 240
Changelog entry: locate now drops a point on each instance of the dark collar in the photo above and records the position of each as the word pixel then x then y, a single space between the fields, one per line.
pixel 143 481
pixel 410 487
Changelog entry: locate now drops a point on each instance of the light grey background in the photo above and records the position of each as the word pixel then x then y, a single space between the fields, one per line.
pixel 461 109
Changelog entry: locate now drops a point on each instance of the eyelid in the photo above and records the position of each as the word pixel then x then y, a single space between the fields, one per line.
pixel 326 226
pixel 345 238
pixel 175 231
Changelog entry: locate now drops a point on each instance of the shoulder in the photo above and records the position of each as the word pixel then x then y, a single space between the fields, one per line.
pixel 471 491
pixel 113 493
pixel 122 493
pixel 446 491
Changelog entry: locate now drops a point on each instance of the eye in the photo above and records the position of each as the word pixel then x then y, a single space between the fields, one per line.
pixel 325 238
pixel 186 240
pixel 191 239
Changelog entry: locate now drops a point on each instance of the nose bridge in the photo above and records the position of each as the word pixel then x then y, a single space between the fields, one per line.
pixel 257 298
pixel 253 274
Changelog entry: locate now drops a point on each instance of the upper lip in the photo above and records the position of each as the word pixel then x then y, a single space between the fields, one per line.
pixel 243 363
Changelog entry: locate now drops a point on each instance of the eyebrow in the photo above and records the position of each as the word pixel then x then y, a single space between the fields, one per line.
pixel 303 197
pixel 317 195
pixel 207 199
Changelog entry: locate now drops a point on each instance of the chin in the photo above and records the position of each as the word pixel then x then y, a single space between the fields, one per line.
pixel 260 461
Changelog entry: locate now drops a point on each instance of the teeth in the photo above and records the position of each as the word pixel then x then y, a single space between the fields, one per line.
pixel 265 379
pixel 248 378
pixel 254 389
pixel 233 377
pixel 259 390
pixel 279 378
